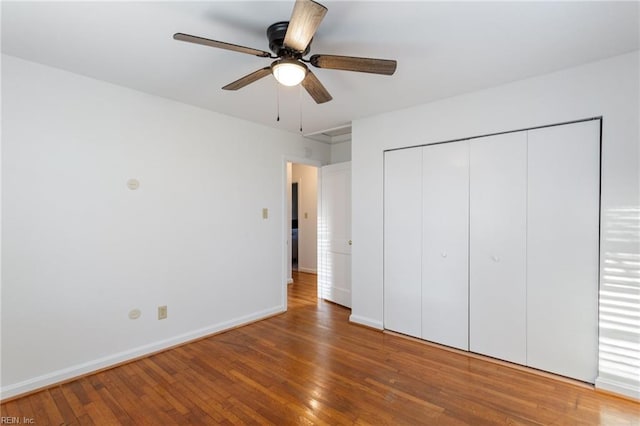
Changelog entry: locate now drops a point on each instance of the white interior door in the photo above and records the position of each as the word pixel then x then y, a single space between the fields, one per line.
pixel 403 241
pixel 445 242
pixel 562 249
pixel 334 234
pixel 498 203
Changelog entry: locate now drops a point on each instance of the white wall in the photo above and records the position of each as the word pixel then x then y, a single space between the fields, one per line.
pixel 341 152
pixel 307 178
pixel 80 250
pixel 607 88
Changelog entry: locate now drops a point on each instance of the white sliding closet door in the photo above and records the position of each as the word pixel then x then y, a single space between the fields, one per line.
pixel 562 249
pixel 498 200
pixel 445 239
pixel 403 241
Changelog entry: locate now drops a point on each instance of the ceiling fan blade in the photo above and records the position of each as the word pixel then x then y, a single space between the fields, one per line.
pixel 305 20
pixel 352 63
pixel 248 79
pixel 317 91
pixel 220 45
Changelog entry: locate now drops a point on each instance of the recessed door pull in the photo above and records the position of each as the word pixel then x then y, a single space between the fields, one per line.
pixel 495 258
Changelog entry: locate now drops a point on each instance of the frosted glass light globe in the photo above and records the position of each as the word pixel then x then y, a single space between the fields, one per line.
pixel 289 72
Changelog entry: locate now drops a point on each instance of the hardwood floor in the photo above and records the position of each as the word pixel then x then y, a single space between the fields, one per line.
pixel 310 366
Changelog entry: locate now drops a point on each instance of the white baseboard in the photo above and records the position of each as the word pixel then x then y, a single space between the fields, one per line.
pixel 307 270
pixel 88 367
pixel 366 321
pixel 620 388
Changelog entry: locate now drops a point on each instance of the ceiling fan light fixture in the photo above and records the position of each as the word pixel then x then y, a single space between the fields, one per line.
pixel 290 42
pixel 289 72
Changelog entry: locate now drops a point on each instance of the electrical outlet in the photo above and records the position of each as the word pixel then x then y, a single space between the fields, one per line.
pixel 162 312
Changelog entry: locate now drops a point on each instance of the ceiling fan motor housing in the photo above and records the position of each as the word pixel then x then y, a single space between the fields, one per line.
pixel 276 33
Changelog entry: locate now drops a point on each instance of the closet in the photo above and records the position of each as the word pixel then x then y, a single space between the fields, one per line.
pixel 491 245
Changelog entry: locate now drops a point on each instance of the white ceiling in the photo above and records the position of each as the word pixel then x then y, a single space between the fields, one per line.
pixel 442 48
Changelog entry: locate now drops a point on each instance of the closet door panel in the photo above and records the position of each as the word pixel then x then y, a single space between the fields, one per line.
pixel 562 249
pixel 445 239
pixel 498 196
pixel 403 241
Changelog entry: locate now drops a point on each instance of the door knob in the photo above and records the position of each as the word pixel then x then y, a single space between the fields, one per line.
pixel 495 258
pixel 350 242
pixel 443 254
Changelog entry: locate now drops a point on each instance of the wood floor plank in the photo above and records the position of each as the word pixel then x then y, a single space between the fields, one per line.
pixel 47 408
pixel 311 366
pixel 72 399
pixel 96 407
pixel 132 402
pixel 10 409
pixel 62 404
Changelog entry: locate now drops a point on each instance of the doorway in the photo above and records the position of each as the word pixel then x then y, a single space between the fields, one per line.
pixel 294 226
pixel 323 219
pixel 302 217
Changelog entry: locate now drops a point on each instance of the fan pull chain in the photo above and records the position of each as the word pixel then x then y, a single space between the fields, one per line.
pixel 300 101
pixel 277 101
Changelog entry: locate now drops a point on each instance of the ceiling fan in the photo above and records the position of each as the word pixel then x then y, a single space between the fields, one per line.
pixel 291 41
